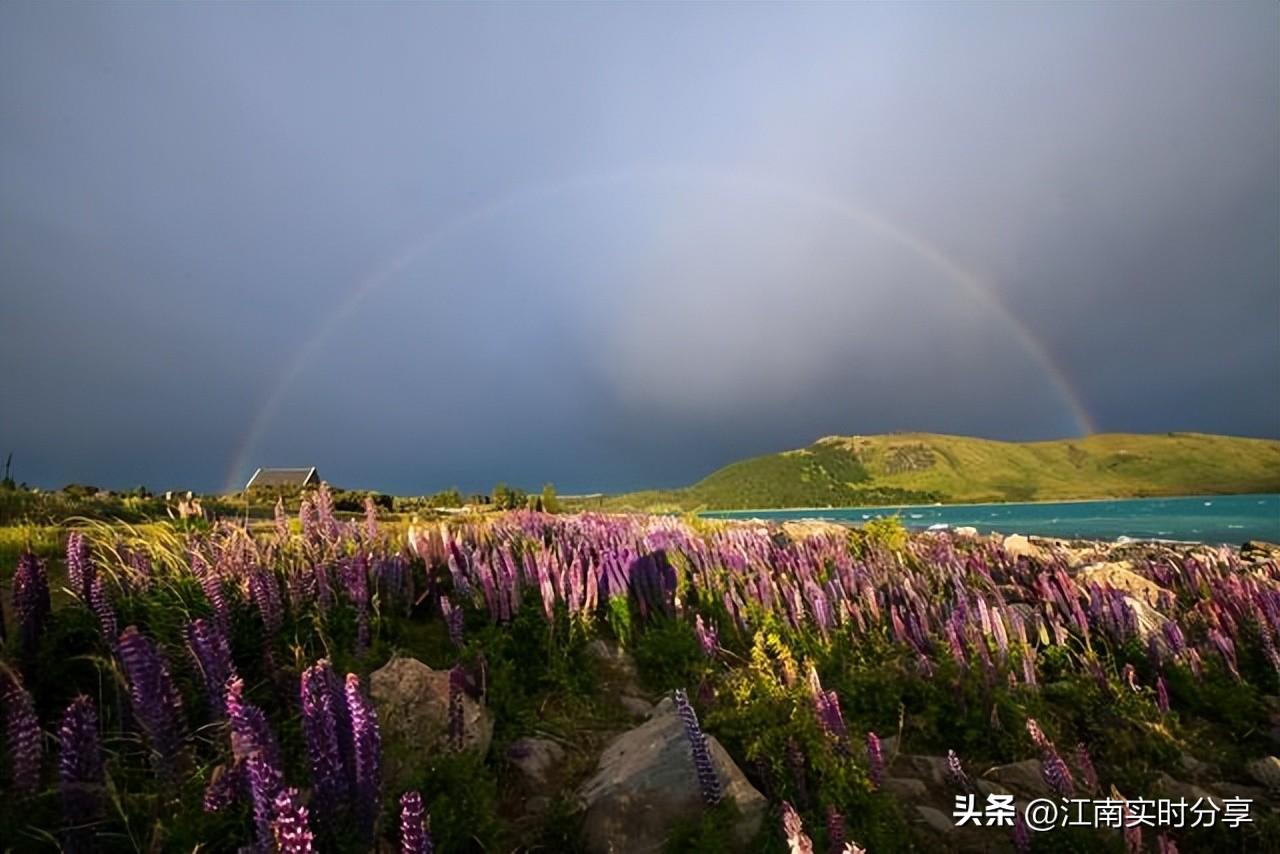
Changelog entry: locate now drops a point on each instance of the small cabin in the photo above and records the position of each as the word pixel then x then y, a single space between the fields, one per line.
pixel 283 479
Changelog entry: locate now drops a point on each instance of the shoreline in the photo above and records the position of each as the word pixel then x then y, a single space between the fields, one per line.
pixel 937 505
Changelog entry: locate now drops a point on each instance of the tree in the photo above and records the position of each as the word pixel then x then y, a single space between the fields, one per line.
pixel 550 503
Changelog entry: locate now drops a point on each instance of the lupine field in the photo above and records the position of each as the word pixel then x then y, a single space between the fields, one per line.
pixel 175 689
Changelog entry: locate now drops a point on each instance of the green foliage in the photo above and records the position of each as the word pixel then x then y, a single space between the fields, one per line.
pixel 460 793
pixel 712 832
pixel 887 532
pixel 508 498
pixel 618 614
pixel 923 468
pixel 550 502
pixel 668 656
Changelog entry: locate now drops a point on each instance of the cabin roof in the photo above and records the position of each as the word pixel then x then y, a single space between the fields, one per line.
pixel 283 477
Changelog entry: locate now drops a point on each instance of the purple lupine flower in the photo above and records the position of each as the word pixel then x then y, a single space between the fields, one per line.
pixel 156 702
pixel 1166 845
pixel 80 778
pixel 212 654
pixel 289 827
pixel 30 601
pixel 1021 835
pixel 1132 832
pixel 310 522
pixel 708 638
pixel 708 781
pixel 1088 774
pixel 367 749
pixel 414 836
pixel 265 592
pixel 955 771
pixel 224 787
pixel 79 568
pixel 101 604
pixel 453 620
pixel 1227 650
pixel 457 683
pixel 323 719
pixel 253 744
pixel 1037 735
pixel 1056 773
pixel 370 519
pixel 1174 637
pixel 323 510
pixel 833 718
pixel 281 520
pixel 875 759
pixel 22 734
pixel 1162 696
pixel 835 831
pixel 797 841
pixel 1130 676
pixel 211 584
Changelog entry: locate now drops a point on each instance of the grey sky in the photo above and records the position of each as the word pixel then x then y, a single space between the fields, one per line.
pixel 617 245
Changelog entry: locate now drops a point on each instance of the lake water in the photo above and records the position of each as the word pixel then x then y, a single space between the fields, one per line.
pixel 1210 518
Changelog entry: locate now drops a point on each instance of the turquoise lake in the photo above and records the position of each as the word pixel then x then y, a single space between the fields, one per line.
pixel 1209 518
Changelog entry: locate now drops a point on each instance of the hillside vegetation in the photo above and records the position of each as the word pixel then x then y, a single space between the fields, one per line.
pixel 922 468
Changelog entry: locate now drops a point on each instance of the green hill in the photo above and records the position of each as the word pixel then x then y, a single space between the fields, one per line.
pixel 922 468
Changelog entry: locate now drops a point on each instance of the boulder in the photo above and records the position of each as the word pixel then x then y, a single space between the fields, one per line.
pixel 1225 790
pixel 1017 545
pixel 965 531
pixel 1167 787
pixel 646 783
pixel 614 657
pixel 1022 778
pixel 1266 772
pixel 1150 621
pixel 1257 550
pixel 987 788
pixel 906 788
pixel 803 529
pixel 413 712
pixel 1119 575
pixel 935 819
pixel 1194 768
pixel 535 758
pixel 930 769
pixel 635 706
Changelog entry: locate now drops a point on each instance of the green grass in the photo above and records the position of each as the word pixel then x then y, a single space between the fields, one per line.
pixel 922 468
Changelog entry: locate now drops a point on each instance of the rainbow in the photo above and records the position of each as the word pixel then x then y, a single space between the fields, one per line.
pixel 974 285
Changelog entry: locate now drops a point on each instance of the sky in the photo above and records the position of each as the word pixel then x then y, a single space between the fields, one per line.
pixel 615 246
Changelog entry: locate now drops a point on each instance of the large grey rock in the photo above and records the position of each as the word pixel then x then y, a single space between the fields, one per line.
pixel 1256 551
pixel 645 783
pixel 1022 778
pixel 936 820
pixel 1150 621
pixel 413 713
pixel 635 706
pixel 1266 771
pixel 1016 545
pixel 1119 575
pixel 535 758
pixel 931 769
pixel 906 788
pixel 1168 787
pixel 614 657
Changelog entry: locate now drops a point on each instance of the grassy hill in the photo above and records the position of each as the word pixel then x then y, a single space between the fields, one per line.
pixel 903 468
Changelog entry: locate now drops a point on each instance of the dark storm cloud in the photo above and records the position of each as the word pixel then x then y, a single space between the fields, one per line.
pixel 616 246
